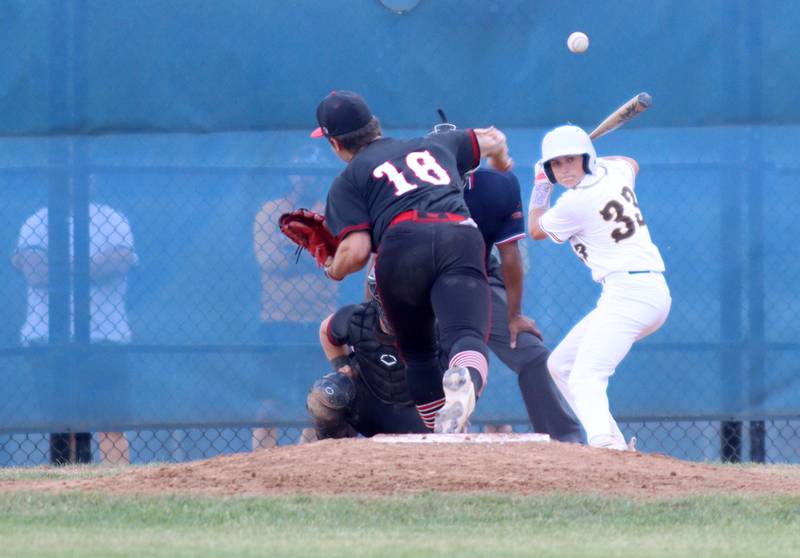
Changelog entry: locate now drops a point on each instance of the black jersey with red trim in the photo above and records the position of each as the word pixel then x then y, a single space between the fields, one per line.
pixel 379 363
pixel 495 204
pixel 391 176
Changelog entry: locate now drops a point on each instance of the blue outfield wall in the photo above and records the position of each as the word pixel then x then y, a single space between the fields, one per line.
pixel 207 66
pixel 729 346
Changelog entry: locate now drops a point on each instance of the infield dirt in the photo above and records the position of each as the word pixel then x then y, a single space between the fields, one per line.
pixel 365 467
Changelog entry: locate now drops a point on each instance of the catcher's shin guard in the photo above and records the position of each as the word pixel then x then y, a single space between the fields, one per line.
pixel 328 404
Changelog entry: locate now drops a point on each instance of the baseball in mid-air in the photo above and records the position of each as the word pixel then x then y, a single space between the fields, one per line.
pixel 578 42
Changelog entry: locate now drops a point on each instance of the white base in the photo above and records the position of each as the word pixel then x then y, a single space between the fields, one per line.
pixel 468 438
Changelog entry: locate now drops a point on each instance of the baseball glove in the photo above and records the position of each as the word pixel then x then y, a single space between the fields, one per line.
pixel 308 230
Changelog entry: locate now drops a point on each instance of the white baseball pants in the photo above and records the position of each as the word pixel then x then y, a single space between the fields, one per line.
pixel 630 307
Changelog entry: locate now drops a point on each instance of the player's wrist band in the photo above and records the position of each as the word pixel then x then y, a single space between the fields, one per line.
pixel 541 195
pixel 339 362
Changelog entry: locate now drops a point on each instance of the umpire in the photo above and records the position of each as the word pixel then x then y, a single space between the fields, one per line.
pixel 495 203
pixel 403 199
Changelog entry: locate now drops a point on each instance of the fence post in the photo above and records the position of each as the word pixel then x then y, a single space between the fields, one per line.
pixel 756 392
pixel 731 295
pixel 755 250
pixel 731 441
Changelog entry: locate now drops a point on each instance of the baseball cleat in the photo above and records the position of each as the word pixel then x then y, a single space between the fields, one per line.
pixel 610 442
pixel 632 444
pixel 459 393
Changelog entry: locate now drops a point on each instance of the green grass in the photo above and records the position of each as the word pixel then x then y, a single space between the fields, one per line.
pixel 66 472
pixel 79 524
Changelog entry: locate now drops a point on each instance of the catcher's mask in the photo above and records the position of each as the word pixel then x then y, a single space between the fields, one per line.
pixel 443 126
pixel 372 285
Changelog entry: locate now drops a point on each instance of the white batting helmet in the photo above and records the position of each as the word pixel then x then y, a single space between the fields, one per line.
pixel 568 140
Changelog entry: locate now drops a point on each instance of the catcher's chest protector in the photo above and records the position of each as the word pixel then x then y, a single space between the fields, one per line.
pixel 379 362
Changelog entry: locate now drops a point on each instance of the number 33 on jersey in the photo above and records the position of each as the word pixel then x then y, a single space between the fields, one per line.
pixel 604 223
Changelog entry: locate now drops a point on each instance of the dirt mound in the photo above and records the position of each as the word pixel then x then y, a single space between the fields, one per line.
pixel 361 466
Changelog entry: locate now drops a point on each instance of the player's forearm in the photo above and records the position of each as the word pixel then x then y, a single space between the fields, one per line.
pixel 540 201
pixel 351 255
pixel 331 350
pixel 492 144
pixel 534 229
pixel 511 264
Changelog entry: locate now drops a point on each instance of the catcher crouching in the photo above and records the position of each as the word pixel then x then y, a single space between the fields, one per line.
pixel 367 392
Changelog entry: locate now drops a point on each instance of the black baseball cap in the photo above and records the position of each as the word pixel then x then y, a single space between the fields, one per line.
pixel 341 112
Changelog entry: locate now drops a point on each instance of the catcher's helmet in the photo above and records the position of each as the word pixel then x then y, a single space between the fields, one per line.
pixel 568 140
pixel 334 390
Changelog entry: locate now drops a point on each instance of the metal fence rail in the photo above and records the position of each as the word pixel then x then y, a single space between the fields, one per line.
pixel 692 438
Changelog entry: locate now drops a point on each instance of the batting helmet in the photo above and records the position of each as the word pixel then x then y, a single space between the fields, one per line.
pixel 568 140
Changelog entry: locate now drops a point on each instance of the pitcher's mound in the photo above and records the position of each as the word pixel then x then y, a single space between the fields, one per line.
pixel 370 467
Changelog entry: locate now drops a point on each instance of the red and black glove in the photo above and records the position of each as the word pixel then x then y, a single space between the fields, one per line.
pixel 308 230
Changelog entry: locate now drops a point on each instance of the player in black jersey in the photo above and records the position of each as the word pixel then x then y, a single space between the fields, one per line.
pixel 403 200
pixel 356 342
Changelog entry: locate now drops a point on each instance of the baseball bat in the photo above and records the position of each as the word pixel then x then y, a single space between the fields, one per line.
pixel 628 111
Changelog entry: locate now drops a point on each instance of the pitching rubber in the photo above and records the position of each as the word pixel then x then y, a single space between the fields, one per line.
pixel 466 438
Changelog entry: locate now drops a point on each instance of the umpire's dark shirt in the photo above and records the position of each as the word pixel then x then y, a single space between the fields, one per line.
pixel 495 203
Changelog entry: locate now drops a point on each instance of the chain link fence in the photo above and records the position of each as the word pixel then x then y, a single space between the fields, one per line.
pixel 155 313
pixel 701 439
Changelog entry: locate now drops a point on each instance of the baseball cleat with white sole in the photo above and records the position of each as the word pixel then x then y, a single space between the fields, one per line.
pixel 459 393
pixel 611 442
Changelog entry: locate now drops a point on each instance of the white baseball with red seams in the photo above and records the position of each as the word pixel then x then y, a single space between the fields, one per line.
pixel 578 42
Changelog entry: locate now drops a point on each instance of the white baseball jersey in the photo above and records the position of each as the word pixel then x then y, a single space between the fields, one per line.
pixel 602 220
pixel 108 317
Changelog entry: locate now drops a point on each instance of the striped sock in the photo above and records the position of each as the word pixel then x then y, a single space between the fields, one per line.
pixel 476 363
pixel 428 411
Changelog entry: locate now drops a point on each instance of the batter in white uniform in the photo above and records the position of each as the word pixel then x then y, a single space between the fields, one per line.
pixel 600 217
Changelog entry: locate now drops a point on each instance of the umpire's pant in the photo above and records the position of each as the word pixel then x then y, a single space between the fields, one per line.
pixel 529 360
